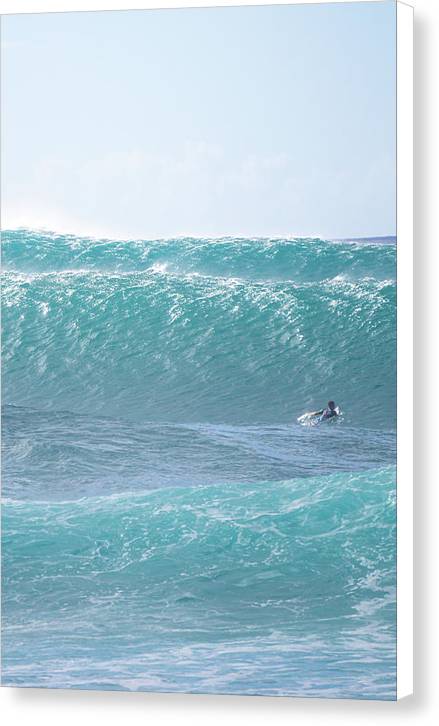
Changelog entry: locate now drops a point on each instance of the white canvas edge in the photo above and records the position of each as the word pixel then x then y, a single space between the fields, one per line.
pixel 8 7
pixel 404 225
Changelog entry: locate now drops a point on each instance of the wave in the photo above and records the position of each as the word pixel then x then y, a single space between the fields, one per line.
pixel 168 346
pixel 297 523
pixel 213 575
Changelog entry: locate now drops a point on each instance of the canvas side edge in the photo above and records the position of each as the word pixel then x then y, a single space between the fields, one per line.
pixel 404 223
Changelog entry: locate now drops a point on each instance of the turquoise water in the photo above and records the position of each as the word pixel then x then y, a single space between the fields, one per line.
pixel 167 525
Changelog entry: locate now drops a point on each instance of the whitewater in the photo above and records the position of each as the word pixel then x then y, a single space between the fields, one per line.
pixel 167 524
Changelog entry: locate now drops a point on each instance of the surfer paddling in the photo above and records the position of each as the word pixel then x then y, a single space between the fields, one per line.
pixel 331 411
pixel 328 412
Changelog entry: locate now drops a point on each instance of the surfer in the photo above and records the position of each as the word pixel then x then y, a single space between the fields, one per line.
pixel 328 412
pixel 325 414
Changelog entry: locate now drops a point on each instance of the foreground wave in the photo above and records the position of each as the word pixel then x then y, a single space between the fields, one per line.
pixel 273 588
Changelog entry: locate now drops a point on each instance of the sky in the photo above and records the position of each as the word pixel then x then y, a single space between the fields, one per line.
pixel 251 121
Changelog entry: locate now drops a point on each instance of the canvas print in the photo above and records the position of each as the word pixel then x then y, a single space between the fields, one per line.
pixel 199 350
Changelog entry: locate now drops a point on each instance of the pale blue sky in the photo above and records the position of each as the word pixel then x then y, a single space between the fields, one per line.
pixel 252 120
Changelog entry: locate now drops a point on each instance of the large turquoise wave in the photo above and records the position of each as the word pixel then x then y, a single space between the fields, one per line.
pixel 234 331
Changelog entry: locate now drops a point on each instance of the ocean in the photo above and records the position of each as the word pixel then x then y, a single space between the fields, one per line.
pixel 167 524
